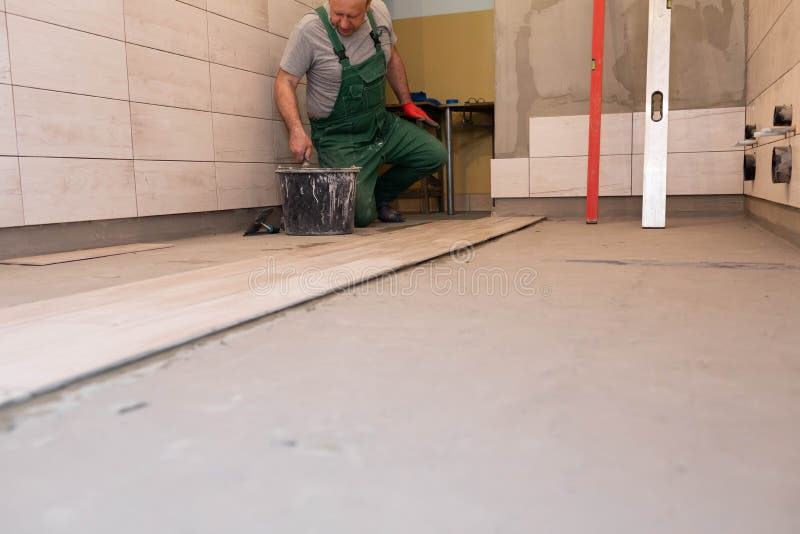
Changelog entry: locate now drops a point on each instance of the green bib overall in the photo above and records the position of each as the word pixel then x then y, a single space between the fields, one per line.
pixel 360 132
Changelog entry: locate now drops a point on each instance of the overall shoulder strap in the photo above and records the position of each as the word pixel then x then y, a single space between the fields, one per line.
pixel 338 47
pixel 373 30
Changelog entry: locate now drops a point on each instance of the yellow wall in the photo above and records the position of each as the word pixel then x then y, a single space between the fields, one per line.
pixel 452 56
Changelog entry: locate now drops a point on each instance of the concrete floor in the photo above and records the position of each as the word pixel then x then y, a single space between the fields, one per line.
pixel 629 381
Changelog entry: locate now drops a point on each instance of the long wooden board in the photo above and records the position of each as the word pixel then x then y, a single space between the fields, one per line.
pixel 50 344
pixel 88 254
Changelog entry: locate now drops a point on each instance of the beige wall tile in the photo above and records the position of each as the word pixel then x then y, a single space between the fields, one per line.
pixel 461 202
pixel 480 202
pixel 252 12
pixel 511 178
pixel 235 44
pixel 66 190
pixel 698 173
pixel 63 125
pixel 787 194
pixel 8 137
pixel 761 16
pixel 167 25
pixel 284 14
pixel 198 3
pixel 569 135
pixel 168 79
pixel 239 92
pixel 5 65
pixel 50 57
pixel 785 91
pixel 103 17
pixel 164 187
pixel 163 133
pixel 566 177
pixel 282 152
pixel 697 130
pixel 10 193
pixel 246 185
pixel 275 47
pixel 705 130
pixel 779 51
pixel 243 139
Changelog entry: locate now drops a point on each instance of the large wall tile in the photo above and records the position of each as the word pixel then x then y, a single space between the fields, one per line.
pixel 697 173
pixel 163 133
pixel 103 17
pixel 235 44
pixel 569 135
pixel 785 91
pixel 239 92
pixel 566 177
pixel 168 79
pixel 8 137
pixel 59 124
pixel 761 16
pixel 197 3
pixel 284 14
pixel 252 12
pixel 5 65
pixel 697 130
pixel 779 51
pixel 281 137
pixel 243 139
pixel 246 185
pixel 10 193
pixel 511 178
pixel 66 190
pixel 164 187
pixel 167 25
pixel 762 187
pixel 50 57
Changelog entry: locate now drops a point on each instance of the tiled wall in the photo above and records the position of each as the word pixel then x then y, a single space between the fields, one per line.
pixel 126 108
pixel 543 52
pixel 702 157
pixel 773 78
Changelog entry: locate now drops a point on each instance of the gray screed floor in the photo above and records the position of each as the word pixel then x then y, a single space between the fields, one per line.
pixel 562 379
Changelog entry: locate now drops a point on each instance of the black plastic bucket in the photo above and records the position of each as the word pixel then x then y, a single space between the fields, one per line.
pixel 318 201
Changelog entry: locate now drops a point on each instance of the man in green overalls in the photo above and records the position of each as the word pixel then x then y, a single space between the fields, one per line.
pixel 346 51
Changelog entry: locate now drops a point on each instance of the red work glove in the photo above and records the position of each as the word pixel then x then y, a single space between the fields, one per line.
pixel 412 111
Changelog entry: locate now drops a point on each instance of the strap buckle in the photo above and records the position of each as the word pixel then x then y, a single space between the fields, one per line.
pixel 375 38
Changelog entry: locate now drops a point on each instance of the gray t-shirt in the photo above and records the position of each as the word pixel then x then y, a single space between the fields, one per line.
pixel 310 53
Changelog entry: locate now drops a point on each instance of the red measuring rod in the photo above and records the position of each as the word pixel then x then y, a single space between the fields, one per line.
pixel 595 111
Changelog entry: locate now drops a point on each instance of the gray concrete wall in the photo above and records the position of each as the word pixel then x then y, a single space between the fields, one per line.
pixel 543 57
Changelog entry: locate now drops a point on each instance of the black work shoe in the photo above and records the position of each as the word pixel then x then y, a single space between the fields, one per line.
pixel 388 214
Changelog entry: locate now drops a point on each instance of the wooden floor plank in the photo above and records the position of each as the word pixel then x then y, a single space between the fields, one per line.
pixel 48 344
pixel 88 254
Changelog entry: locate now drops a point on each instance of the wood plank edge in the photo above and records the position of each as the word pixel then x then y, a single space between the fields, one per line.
pixel 14 399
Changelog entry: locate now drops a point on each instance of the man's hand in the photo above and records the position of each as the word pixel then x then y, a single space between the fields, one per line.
pixel 413 111
pixel 300 145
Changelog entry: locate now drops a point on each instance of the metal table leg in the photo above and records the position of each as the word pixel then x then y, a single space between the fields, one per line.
pixel 448 132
